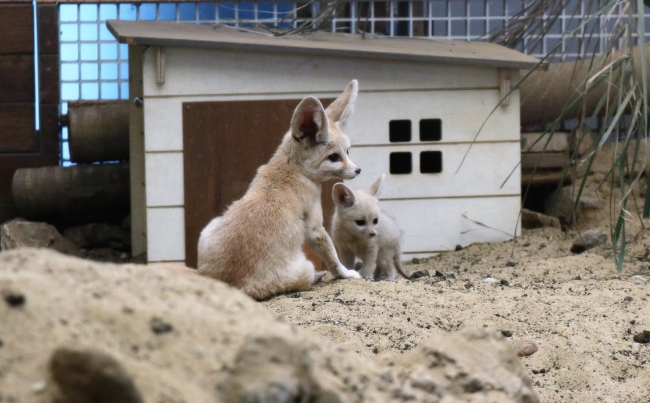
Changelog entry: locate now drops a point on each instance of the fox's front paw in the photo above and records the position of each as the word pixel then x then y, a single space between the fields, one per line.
pixel 346 273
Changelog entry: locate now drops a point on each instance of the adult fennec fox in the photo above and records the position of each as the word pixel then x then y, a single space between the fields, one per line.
pixel 257 244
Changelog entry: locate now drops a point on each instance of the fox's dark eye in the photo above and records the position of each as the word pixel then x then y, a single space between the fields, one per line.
pixel 361 222
pixel 334 157
pixel 348 152
pixel 375 221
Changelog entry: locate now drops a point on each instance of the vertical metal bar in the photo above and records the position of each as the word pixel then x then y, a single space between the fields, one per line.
pixel 37 95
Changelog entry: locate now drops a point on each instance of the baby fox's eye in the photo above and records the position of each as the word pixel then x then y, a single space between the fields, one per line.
pixel 360 222
pixel 334 157
pixel 375 221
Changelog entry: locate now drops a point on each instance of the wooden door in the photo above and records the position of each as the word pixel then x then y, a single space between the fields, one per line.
pixel 223 145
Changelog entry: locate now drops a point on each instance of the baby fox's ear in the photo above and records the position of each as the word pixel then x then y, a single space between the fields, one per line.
pixel 375 189
pixel 343 195
pixel 309 123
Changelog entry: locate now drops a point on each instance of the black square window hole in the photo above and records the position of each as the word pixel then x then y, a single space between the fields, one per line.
pixel 430 130
pixel 399 131
pixel 400 163
pixel 430 162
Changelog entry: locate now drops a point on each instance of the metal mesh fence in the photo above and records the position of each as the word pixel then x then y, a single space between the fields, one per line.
pixel 94 66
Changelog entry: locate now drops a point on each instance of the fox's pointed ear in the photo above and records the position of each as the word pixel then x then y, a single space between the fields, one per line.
pixel 375 188
pixel 343 195
pixel 341 109
pixel 309 122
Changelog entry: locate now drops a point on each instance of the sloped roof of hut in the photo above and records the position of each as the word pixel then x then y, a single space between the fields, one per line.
pixel 423 50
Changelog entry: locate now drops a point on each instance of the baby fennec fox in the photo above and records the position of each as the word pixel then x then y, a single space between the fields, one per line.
pixel 360 229
pixel 257 244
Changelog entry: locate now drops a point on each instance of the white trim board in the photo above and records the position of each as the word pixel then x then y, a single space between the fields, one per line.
pixel 236 72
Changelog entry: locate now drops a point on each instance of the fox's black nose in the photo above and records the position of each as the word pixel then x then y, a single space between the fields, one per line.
pixel 357 171
pixel 372 234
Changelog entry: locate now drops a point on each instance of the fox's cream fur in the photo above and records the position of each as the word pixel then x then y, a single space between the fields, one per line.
pixel 360 229
pixel 257 244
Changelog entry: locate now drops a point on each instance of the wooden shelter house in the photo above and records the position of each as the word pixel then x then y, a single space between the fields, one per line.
pixel 212 103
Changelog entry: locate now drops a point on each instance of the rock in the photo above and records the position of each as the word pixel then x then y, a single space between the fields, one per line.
pixel 506 333
pixel 643 337
pixel 527 349
pixel 560 204
pixel 460 368
pixel 99 235
pixel 420 273
pixel 159 326
pixel 532 219
pixel 91 376
pixel 13 298
pixel 589 239
pixel 270 369
pixel 504 283
pixel 23 234
pixel 458 248
pixel 126 223
pixel 589 200
pixel 106 255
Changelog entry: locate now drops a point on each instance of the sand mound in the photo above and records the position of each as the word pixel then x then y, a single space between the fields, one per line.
pixel 80 331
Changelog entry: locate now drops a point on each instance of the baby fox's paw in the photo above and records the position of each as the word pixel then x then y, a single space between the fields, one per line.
pixel 318 276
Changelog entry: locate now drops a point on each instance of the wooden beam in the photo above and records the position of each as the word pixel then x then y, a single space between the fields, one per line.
pixel 48 29
pixel 536 143
pixel 545 178
pixel 49 130
pixel 545 160
pixel 49 79
pixel 17 128
pixel 16 78
pixel 16 29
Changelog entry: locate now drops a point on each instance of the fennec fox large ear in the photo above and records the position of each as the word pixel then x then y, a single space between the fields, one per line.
pixel 375 188
pixel 343 195
pixel 341 109
pixel 309 123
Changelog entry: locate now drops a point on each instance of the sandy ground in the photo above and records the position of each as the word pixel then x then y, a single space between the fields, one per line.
pixel 578 309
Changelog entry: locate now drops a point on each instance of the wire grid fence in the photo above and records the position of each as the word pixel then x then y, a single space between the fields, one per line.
pixel 94 66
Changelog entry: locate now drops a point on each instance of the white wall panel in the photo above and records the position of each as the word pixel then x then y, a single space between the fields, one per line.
pixel 484 171
pixel 164 179
pixel 163 124
pixel 165 234
pixel 462 112
pixel 438 224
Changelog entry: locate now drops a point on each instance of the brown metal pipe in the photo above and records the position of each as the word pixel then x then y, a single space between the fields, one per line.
pixel 72 191
pixel 98 131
